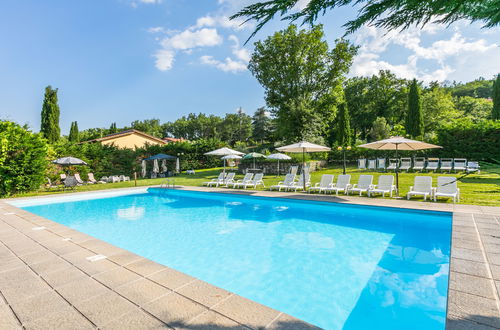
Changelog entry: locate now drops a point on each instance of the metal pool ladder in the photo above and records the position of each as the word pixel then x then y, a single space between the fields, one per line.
pixel 168 184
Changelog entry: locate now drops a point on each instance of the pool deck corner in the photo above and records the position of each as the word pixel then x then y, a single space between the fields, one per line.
pixel 52 276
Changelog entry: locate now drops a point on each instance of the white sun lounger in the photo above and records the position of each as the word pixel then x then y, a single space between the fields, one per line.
pixel 93 180
pixel 256 181
pixel 405 164
pixel 385 185
pixel 393 164
pixel 372 164
pixel 422 186
pixel 473 167
pixel 216 182
pixel 240 183
pixel 325 182
pixel 287 182
pixel 300 184
pixel 460 164
pixel 343 183
pixel 419 164
pixel 362 164
pixel 229 179
pixel 447 187
pixel 432 164
pixel 364 184
pixel 381 164
pixel 446 165
pixel 78 179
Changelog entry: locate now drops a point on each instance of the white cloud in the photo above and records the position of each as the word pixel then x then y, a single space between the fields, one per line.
pixel 375 42
pixel 150 1
pixel 222 21
pixel 239 64
pixel 228 65
pixel 164 59
pixel 191 39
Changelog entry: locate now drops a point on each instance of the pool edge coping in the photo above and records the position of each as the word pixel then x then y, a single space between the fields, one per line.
pixel 465 223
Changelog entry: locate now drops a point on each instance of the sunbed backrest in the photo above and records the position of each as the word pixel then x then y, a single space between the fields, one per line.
pixel 365 181
pixel 221 176
pixel 362 163
pixel 460 162
pixel 405 161
pixel 293 169
pixel 343 180
pixel 446 162
pixel 381 162
pixel 230 176
pixel 423 184
pixel 447 185
pixel 326 180
pixel 372 163
pixel 248 177
pixel 419 162
pixel 258 177
pixel 385 182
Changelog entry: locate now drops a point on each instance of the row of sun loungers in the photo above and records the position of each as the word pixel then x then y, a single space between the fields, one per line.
pixel 227 180
pixel 419 164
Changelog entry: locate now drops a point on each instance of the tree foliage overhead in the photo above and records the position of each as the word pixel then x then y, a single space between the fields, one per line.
pixel 262 125
pixel 390 14
pixel 302 79
pixel 414 119
pixel 50 115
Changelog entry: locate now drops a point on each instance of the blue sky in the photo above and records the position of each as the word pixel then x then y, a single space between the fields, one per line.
pixel 121 60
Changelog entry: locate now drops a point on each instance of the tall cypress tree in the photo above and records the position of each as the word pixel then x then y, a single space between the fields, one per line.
pixel 343 126
pixel 113 129
pixel 495 112
pixel 414 119
pixel 74 134
pixel 50 115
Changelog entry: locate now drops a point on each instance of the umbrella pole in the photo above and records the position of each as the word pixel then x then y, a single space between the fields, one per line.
pixel 224 171
pixel 397 174
pixel 303 168
pixel 278 167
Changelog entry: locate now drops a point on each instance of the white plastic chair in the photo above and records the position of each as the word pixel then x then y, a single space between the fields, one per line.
pixel 240 183
pixel 364 184
pixel 256 181
pixel 381 164
pixel 343 183
pixel 229 179
pixel 432 164
pixel 460 164
pixel 393 164
pixel 447 187
pixel 362 164
pixel 325 182
pixel 405 164
pixel 446 165
pixel 287 182
pixel 216 182
pixel 422 186
pixel 300 184
pixel 385 185
pixel 419 164
pixel 372 164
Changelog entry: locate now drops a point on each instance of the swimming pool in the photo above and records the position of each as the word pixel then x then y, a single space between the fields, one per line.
pixel 333 265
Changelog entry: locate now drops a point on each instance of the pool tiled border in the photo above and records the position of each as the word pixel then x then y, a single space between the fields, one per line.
pixel 46 280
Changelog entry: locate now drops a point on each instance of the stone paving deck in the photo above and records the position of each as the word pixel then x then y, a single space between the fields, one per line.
pixel 48 279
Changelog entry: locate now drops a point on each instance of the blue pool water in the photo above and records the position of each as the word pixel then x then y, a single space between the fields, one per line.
pixel 336 266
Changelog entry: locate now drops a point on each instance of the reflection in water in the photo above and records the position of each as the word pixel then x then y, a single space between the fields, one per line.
pixel 130 213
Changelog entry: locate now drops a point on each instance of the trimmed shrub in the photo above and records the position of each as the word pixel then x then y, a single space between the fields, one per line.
pixel 23 159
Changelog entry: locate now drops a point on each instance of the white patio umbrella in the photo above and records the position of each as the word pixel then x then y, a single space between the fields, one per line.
pixel 279 157
pixel 177 165
pixel 156 168
pixel 398 143
pixel 68 161
pixel 224 152
pixel 164 165
pixel 254 155
pixel 303 147
pixel 143 168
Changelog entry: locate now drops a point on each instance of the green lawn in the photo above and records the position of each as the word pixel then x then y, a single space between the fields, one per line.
pixel 477 189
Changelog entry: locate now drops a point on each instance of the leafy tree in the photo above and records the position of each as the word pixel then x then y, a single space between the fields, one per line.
pixel 302 79
pixel 262 125
pixel 343 131
pixel 22 159
pixel 149 126
pixel 479 88
pixel 194 126
pixel 495 112
pixel 50 115
pixel 113 129
pixel 438 108
pixel 473 108
pixel 380 129
pixel 74 135
pixel 391 14
pixel 414 119
pixel 236 127
pixel 382 95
